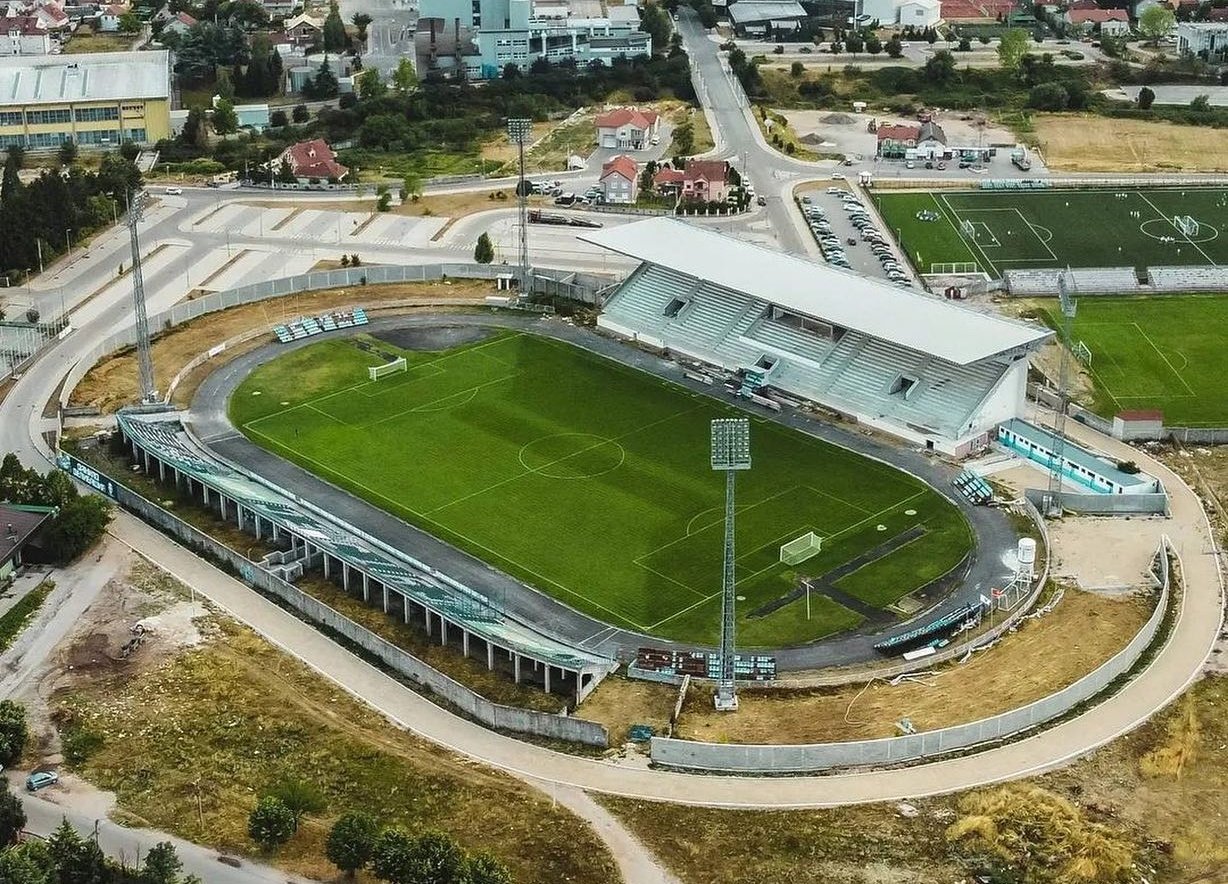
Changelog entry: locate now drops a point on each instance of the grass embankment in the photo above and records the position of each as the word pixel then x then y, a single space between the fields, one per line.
pixel 16 618
pixel 391 166
pixel 1042 657
pixel 113 382
pixel 1146 807
pixel 776 129
pixel 585 444
pixel 1089 143
pixel 81 43
pixel 189 744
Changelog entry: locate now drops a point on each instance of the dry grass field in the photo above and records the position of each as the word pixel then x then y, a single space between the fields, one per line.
pixel 1043 656
pixel 1102 144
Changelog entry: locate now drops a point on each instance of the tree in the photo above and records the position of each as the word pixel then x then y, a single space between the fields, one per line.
pixel 965 45
pixel 411 187
pixel 80 522
pixel 1200 103
pixel 129 150
pixel 482 868
pixel 194 133
pixel 874 45
pixel 940 68
pixel 1049 96
pixel 797 69
pixel 894 47
pixel 325 83
pixel 28 863
pixel 655 23
pixel 405 79
pixel 76 859
pixel 1012 46
pixel 10 186
pixel 352 837
pixel 373 85
pixel 361 21
pixel 270 824
pixel 335 38
pixel 300 796
pixel 484 251
pixel 12 817
pixel 285 173
pixel 1146 98
pixel 13 731
pixel 853 43
pixel 277 119
pixel 129 23
pixel 1155 22
pixel 68 152
pixel 431 858
pixel 162 865
pixel 684 138
pixel 301 114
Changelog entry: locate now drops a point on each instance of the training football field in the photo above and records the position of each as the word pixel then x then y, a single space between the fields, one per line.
pixel 1032 230
pixel 1164 352
pixel 591 481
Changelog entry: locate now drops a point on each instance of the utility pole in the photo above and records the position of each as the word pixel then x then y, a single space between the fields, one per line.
pixel 730 454
pixel 144 356
pixel 519 130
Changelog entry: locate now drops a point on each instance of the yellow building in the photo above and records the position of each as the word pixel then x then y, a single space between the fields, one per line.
pixel 95 99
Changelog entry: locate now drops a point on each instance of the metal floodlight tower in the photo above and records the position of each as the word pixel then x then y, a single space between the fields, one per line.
pixel 1066 298
pixel 730 454
pixel 519 130
pixel 143 354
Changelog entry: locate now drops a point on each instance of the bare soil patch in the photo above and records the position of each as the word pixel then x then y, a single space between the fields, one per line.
pixel 114 381
pixel 1042 656
pixel 621 702
pixel 1088 143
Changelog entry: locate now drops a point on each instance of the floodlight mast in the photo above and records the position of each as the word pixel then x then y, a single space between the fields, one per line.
pixel 730 454
pixel 144 355
pixel 1066 297
pixel 519 130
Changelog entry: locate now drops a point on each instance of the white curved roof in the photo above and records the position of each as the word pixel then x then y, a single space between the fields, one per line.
pixel 909 318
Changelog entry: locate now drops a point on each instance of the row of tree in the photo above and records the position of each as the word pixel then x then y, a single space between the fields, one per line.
pixel 81 520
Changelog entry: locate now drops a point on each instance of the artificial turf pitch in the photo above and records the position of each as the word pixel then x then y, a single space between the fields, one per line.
pixel 591 481
pixel 1039 229
pixel 1163 351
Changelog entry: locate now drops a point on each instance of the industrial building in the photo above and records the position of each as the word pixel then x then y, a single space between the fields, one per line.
pixel 95 99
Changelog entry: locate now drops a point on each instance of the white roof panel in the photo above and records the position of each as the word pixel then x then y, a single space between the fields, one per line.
pixel 764 10
pixel 909 318
pixel 94 76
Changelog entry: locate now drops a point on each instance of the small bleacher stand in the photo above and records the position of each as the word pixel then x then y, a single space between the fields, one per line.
pixel 309 326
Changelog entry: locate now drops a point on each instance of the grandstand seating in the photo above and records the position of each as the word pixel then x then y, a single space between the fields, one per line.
pixel 973 487
pixel 310 326
pixel 850 370
pixel 1189 279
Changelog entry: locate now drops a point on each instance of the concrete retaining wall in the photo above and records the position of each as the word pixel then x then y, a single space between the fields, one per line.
pixel 1105 504
pixel 722 757
pixel 494 715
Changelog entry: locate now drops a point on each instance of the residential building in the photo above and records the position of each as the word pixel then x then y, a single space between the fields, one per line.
pixel 281 8
pixel 482 37
pixel 931 141
pixel 179 23
pixel 706 181
pixel 619 180
pixel 668 180
pixel 51 18
pixel 312 162
pixel 895 140
pixel 18 526
pixel 1111 22
pixel 95 99
pixel 628 128
pixel 109 16
pixel 304 30
pixel 1203 38
pixel 918 13
pixel 766 18
pixel 23 35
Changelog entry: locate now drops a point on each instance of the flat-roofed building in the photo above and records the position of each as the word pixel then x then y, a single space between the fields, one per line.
pixel 95 99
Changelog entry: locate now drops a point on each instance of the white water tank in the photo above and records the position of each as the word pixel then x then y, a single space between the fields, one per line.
pixel 1026 553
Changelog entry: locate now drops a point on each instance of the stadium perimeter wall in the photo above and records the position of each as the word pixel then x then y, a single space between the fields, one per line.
pixel 1105 504
pixel 493 715
pixel 780 759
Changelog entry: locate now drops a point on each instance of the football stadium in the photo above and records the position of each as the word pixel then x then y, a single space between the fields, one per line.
pixel 997 231
pixel 587 477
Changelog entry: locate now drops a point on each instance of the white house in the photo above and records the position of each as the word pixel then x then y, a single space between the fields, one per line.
pixel 931 143
pixel 920 13
pixel 108 18
pixel 619 180
pixel 22 35
pixel 628 128
pixel 1199 37
pixel 1112 22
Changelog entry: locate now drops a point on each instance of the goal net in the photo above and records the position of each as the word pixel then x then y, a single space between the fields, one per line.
pixel 801 548
pixel 967 229
pixel 1083 353
pixel 1186 224
pixel 379 371
pixel 955 268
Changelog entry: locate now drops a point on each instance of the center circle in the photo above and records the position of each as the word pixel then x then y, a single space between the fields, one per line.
pixel 572 456
pixel 1161 227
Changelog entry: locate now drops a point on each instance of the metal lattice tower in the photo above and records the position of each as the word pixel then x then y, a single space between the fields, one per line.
pixel 1065 291
pixel 143 355
pixel 730 453
pixel 519 130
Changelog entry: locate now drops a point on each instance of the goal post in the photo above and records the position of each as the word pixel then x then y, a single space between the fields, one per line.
pixel 379 371
pixel 1187 224
pixel 801 548
pixel 1083 353
pixel 967 228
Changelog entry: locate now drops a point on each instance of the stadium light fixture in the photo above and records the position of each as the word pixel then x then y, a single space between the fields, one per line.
pixel 730 455
pixel 519 131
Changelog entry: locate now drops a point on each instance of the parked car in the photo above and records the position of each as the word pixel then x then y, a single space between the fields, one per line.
pixel 174 191
pixel 805 200
pixel 942 167
pixel 761 200
pixel 41 779
pixel 909 164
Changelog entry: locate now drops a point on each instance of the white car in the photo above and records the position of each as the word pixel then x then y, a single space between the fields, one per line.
pixel 174 191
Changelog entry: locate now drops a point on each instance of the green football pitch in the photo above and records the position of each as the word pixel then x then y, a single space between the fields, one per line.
pixel 591 481
pixel 1031 230
pixel 1163 352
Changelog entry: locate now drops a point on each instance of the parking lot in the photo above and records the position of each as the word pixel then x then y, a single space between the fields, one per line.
pixel 849 234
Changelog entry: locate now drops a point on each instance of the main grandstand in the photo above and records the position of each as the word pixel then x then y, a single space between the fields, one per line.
pixel 922 369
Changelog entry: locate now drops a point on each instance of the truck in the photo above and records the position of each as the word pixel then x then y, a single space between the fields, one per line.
pixel 1019 158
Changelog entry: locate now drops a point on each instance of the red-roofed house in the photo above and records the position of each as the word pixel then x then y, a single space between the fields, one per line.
pixel 628 128
pixel 109 16
pixel 668 180
pixel 51 17
pixel 312 162
pixel 894 140
pixel 23 35
pixel 706 181
pixel 1111 21
pixel 180 23
pixel 619 180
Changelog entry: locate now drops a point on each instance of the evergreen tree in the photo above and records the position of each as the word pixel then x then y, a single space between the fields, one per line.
pixel 68 152
pixel 335 38
pixel 13 731
pixel 10 185
pixel 12 816
pixel 271 823
pixel 405 79
pixel 484 251
pixel 352 837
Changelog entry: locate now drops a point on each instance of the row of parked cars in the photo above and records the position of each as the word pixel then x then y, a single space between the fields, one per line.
pixel 862 220
pixel 825 236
